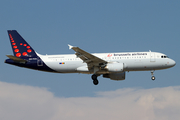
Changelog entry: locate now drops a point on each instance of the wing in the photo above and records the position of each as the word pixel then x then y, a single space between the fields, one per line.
pixel 91 60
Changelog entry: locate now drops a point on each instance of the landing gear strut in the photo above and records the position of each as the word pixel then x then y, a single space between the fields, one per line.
pixel 152 73
pixel 95 80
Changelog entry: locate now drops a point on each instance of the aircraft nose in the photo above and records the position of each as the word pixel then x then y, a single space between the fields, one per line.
pixel 172 63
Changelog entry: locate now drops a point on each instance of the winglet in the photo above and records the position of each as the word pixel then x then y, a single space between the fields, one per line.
pixel 70 46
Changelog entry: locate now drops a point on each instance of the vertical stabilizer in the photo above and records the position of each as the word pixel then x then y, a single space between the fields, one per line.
pixel 19 46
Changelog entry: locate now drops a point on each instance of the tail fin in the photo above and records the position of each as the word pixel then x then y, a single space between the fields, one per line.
pixel 19 46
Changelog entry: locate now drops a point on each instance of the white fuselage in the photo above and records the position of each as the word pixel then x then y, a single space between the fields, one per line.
pixel 133 61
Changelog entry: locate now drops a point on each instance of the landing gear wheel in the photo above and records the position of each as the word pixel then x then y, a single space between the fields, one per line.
pixel 95 82
pixel 94 77
pixel 153 78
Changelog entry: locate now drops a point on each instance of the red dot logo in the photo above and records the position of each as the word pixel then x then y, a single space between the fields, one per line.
pixel 29 50
pixel 21 44
pixel 13 43
pixel 18 54
pixel 14 46
pixel 24 53
pixel 16 50
pixel 109 55
pixel 25 45
pixel 28 47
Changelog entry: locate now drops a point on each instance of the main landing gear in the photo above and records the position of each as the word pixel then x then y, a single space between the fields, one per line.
pixel 95 80
pixel 152 73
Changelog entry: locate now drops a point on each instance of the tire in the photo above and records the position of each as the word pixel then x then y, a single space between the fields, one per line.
pixel 94 77
pixel 153 78
pixel 96 82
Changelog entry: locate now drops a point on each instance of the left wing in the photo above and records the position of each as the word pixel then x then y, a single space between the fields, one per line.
pixel 91 60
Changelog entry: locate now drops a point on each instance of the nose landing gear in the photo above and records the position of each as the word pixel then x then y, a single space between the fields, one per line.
pixel 153 78
pixel 95 80
pixel 152 73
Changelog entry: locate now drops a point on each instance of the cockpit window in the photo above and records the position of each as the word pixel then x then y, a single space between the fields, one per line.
pixel 164 57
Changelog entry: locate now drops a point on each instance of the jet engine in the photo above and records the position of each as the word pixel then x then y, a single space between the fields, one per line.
pixel 115 67
pixel 115 76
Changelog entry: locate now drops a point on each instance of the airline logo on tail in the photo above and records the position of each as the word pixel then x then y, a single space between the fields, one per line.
pixel 20 47
pixel 16 50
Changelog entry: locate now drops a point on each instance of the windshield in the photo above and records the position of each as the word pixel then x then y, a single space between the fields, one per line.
pixel 163 56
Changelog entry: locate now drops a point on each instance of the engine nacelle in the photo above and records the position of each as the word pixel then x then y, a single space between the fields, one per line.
pixel 115 67
pixel 115 76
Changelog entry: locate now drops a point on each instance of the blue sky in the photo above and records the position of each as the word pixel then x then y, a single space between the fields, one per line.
pixel 95 26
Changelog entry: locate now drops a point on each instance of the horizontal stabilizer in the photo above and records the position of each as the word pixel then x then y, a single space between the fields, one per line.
pixel 16 59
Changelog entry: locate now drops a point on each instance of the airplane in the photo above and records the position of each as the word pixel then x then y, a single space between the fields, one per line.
pixel 109 65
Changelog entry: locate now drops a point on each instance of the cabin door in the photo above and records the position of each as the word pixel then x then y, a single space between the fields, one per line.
pixel 152 57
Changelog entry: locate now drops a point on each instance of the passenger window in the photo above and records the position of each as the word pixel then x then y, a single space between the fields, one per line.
pixel 161 56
